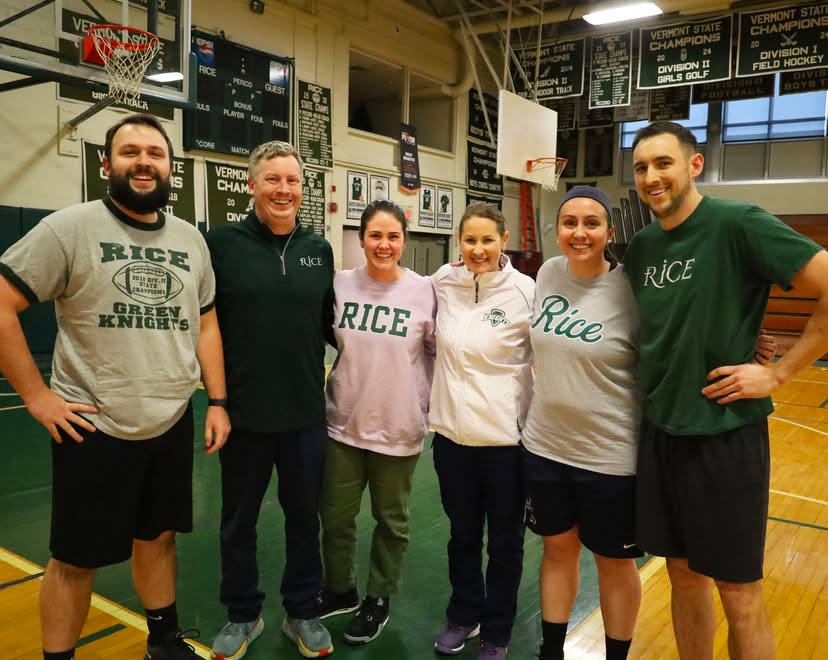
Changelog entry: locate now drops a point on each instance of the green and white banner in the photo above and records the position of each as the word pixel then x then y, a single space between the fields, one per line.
pixel 783 39
pixel 228 199
pixel 685 53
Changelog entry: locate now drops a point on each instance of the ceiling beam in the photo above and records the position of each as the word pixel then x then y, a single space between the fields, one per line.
pixel 578 11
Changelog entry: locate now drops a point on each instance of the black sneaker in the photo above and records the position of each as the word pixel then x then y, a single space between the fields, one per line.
pixel 368 622
pixel 174 647
pixel 331 604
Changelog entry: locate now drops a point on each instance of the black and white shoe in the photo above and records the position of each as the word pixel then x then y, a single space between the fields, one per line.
pixel 369 620
pixel 331 604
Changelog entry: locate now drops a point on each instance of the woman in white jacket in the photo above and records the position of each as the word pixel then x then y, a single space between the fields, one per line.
pixel 482 386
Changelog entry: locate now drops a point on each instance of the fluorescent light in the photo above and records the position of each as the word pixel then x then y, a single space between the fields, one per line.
pixel 622 13
pixel 167 76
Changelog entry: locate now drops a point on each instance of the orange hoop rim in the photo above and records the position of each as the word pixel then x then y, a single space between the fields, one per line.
pixel 149 39
pixel 534 164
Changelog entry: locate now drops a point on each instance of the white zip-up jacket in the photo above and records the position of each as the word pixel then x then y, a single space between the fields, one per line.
pixel 483 372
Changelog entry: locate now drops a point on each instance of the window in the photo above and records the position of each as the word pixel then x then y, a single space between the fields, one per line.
pixel 778 117
pixel 431 111
pixel 375 95
pixel 697 123
pixel 375 102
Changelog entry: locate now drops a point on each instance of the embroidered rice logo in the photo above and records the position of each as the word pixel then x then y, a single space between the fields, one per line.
pixel 148 283
pixel 497 317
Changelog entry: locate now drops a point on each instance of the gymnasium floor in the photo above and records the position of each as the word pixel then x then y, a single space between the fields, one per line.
pixel 796 558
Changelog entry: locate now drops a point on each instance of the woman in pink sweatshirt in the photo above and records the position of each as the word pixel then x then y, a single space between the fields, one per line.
pixel 377 397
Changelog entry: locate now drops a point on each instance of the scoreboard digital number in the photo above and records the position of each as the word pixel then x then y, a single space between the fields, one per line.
pixel 243 97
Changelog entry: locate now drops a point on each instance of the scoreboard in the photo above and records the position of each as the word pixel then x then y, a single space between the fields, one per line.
pixel 243 97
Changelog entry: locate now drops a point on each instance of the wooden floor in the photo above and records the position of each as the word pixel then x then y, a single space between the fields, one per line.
pixel 796 564
pixel 796 556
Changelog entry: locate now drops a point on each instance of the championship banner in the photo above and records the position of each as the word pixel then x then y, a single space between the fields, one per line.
pixel 477 120
pixel 494 201
pixel 312 212
pixel 796 82
pixel 560 72
pixel 567 113
pixel 783 39
pixel 638 109
pixel 182 182
pixel 315 145
pixel 594 118
pixel 567 147
pixel 670 104
pixel 481 169
pixel 735 89
pixel 610 76
pixel 228 198
pixel 685 53
pixel 409 159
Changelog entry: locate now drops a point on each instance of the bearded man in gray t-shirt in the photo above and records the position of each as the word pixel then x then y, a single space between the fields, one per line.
pixel 134 292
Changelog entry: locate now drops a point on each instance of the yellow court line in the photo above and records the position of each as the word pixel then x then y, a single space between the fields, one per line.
pixel 814 382
pixel 646 572
pixel 122 614
pixel 799 497
pixel 802 426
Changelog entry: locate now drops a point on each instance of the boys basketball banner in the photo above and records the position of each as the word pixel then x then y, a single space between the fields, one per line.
pixel 783 39
pixel 315 145
pixel 182 182
pixel 685 53
pixel 560 70
pixel 610 76
pixel 312 212
pixel 477 118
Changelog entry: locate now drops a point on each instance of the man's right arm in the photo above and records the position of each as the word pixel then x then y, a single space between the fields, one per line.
pixel 18 365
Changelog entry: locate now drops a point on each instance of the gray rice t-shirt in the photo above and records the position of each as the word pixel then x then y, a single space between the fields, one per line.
pixel 128 297
pixel 586 404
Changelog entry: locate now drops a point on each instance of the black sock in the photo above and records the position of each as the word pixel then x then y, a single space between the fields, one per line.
pixel 554 636
pixel 617 649
pixel 61 655
pixel 162 623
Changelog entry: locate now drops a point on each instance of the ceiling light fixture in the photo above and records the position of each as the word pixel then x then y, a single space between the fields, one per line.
pixel 622 13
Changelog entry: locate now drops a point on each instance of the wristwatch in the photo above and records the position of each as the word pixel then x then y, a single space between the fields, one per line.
pixel 217 402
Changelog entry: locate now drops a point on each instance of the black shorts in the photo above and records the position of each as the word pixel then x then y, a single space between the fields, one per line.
pixel 705 498
pixel 560 497
pixel 107 492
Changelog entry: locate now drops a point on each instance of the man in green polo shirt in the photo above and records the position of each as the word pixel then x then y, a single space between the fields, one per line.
pixel 274 299
pixel 701 276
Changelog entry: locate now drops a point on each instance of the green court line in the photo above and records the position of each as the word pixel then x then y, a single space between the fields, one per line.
pixel 106 632
pixel 14 583
pixel 798 523
pixel 824 404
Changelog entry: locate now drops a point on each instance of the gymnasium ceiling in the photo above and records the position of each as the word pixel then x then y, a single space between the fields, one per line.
pixel 557 17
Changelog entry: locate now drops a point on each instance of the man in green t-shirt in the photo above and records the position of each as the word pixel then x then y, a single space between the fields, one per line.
pixel 701 276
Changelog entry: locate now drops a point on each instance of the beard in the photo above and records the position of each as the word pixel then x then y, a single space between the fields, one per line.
pixel 139 202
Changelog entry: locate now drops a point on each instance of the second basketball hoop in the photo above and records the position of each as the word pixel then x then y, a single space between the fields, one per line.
pixel 549 169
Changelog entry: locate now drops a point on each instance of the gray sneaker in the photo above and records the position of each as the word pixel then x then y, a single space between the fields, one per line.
pixel 232 641
pixel 312 638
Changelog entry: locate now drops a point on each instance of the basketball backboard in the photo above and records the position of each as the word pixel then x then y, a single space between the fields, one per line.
pixel 43 39
pixel 525 131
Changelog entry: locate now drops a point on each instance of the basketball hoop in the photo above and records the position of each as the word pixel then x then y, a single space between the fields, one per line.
pixel 550 170
pixel 125 53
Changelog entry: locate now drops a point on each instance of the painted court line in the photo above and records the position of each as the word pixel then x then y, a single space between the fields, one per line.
pixel 802 426
pixel 125 616
pixel 799 497
pixel 11 408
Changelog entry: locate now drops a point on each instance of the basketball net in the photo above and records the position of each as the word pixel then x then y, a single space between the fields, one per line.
pixel 550 170
pixel 125 53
